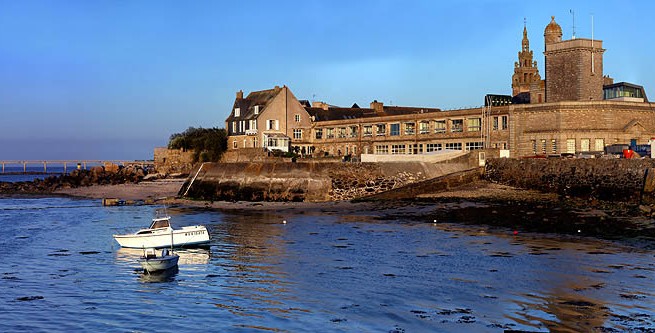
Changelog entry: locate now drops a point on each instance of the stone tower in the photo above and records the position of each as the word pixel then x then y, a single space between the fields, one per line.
pixel 525 70
pixel 574 68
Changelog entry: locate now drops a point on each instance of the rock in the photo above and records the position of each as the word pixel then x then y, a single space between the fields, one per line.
pixel 645 209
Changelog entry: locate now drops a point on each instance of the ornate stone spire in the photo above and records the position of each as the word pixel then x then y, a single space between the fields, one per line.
pixel 525 70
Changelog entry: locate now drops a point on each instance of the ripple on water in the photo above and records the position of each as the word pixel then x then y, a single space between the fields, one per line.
pixel 316 273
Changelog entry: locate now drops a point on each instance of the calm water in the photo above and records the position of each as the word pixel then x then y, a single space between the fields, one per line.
pixel 62 271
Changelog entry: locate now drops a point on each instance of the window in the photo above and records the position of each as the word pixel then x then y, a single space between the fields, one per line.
pixel 503 122
pixel 474 145
pixel 395 129
pixel 342 132
pixel 584 144
pixel 330 133
pixel 474 124
pixel 254 142
pixel 410 128
pixel 553 146
pixel 381 150
pixel 353 132
pixel 319 133
pixel 570 146
pixel 534 146
pixel 242 126
pixel 368 130
pixel 423 127
pixel 297 118
pixel 297 133
pixel 543 146
pixel 272 124
pixel 397 149
pixel 440 126
pixel 234 127
pixel 430 147
pixel 272 142
pixel 237 112
pixel 245 143
pixel 381 129
pixel 599 145
pixel 234 144
pixel 415 149
pixel 456 125
pixel 256 109
pixel 454 146
pixel 253 124
pixel 495 124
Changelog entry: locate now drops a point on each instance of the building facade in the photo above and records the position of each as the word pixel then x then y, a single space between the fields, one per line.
pixel 575 109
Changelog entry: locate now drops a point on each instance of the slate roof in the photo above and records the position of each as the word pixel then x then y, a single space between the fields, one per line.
pixel 337 113
pixel 247 104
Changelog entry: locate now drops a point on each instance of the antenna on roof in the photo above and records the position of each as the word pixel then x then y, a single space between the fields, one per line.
pixel 593 71
pixel 573 14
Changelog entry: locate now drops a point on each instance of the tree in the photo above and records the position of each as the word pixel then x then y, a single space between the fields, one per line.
pixel 208 144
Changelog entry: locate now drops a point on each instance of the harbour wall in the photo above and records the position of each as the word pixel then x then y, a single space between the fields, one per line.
pixel 626 180
pixel 307 181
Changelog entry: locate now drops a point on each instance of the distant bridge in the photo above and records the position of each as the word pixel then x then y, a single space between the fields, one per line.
pixel 78 164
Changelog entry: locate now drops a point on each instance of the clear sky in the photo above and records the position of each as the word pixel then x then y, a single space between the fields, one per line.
pixel 114 79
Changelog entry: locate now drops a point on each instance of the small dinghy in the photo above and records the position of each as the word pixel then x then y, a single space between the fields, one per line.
pixel 153 263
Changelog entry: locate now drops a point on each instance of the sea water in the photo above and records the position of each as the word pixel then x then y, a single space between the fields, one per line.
pixel 318 272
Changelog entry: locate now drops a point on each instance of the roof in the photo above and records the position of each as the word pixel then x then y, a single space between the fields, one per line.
pixel 255 98
pixel 553 27
pixel 355 112
pixel 337 113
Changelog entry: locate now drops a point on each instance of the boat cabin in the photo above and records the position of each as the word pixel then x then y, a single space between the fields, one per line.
pixel 163 222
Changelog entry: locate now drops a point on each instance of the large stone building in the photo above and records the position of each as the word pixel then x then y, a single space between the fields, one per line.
pixel 573 109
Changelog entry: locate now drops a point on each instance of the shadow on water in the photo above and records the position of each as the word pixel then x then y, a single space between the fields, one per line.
pixel 167 275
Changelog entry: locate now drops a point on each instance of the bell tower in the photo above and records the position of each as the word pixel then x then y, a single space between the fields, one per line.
pixel 525 70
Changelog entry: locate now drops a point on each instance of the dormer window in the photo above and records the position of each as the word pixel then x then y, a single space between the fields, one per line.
pixel 237 112
pixel 256 109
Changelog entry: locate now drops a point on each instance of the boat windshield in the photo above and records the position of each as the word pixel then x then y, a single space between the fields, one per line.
pixel 160 223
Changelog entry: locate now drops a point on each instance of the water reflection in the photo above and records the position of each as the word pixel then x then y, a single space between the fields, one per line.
pixel 322 271
pixel 197 256
pixel 167 275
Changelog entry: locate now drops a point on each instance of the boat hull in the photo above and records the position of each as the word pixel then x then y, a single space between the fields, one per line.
pixel 185 237
pixel 159 263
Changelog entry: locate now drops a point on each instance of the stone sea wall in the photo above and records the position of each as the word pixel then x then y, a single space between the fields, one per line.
pixel 627 180
pixel 306 181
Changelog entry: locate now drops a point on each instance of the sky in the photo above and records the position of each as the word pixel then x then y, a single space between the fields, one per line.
pixel 114 79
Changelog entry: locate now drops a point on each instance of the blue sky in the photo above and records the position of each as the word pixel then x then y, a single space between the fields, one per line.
pixel 114 79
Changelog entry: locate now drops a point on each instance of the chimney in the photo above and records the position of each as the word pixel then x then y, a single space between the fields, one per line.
pixel 240 94
pixel 322 105
pixel 378 107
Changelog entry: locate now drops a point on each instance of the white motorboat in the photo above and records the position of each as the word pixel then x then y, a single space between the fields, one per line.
pixel 160 234
pixel 152 263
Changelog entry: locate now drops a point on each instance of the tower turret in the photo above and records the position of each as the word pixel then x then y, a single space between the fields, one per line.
pixel 525 69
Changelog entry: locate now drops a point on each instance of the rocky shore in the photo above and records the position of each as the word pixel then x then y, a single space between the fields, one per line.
pixel 77 179
pixel 478 203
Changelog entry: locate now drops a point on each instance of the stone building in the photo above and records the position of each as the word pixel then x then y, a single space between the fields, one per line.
pixel 574 109
pixel 267 118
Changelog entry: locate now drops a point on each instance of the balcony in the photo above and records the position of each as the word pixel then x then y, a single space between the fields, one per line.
pixel 251 132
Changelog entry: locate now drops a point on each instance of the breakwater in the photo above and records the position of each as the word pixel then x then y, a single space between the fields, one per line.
pixel 307 181
pixel 97 175
pixel 626 180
